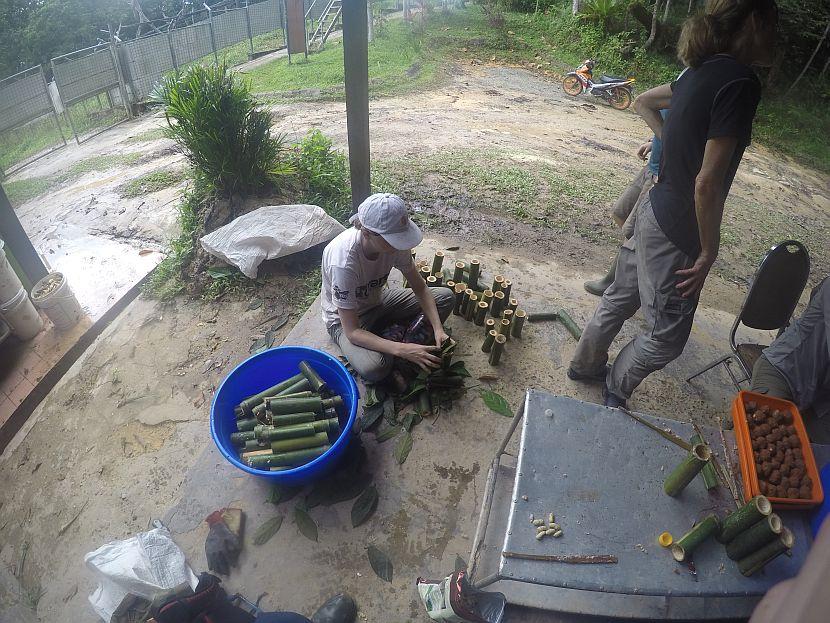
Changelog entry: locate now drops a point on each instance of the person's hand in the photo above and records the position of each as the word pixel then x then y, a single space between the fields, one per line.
pixel 440 336
pixel 644 150
pixel 420 355
pixel 694 277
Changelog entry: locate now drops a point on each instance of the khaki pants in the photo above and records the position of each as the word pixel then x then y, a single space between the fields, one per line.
pixel 396 304
pixel 624 206
pixel 645 278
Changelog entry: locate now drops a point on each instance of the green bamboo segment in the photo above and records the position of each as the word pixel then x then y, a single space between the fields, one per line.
pixel 472 305
pixel 503 327
pixel 506 286
pixel 425 272
pixel 755 537
pixel 300 443
pixel 318 385
pixel 497 349
pixel 487 296
pixel 570 325
pixel 475 269
pixel 306 394
pixel 507 314
pixel 259 410
pixel 513 304
pixel 289 419
pixel 757 560
pixel 487 346
pixel 710 478
pixel 281 469
pixel 432 281
pixel 458 274
pixel 498 280
pixel 287 459
pixel 498 304
pixel 246 424
pixel 465 302
pixel 300 386
pixel 280 406
pixel 252 445
pixel 744 518
pixel 239 439
pixel 489 325
pixel 268 434
pixel 481 313
pixel 460 288
pixel 518 323
pixel 439 278
pixel 437 262
pixel 251 401
pixel 247 455
pixel 684 473
pixel 685 545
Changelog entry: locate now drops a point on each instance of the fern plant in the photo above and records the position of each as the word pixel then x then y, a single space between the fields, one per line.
pixel 602 11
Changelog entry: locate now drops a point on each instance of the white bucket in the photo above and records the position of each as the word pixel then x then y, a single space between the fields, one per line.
pixel 9 282
pixel 22 316
pixel 53 295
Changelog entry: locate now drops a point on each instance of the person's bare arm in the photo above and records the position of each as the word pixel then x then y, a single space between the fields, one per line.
pixel 709 199
pixel 427 301
pixel 649 104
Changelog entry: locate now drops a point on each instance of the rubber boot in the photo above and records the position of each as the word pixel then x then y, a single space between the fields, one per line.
pixel 339 609
pixel 599 286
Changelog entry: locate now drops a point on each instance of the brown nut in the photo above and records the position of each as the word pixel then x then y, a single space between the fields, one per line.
pixel 775 477
pixel 785 469
pixel 764 455
pixel 796 473
pixel 792 492
pixel 805 492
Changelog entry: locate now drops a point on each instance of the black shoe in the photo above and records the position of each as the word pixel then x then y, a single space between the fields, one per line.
pixel 612 400
pixel 339 609
pixel 597 377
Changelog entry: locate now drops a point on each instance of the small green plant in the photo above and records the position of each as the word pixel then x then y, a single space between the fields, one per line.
pixel 213 117
pixel 150 183
pixel 323 173
pixel 602 11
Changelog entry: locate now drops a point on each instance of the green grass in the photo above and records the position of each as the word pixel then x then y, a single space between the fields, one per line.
pixel 238 54
pixel 796 127
pixel 151 182
pixel 153 134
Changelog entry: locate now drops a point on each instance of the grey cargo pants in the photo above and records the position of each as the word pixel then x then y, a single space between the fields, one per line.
pixel 395 304
pixel 644 278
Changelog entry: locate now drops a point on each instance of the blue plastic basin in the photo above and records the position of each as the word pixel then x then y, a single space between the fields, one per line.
pixel 265 369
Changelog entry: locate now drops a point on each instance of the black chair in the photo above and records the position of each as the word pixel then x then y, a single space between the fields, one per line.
pixel 769 304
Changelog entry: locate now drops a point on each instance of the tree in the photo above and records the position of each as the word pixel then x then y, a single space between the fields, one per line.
pixel 655 26
pixel 810 60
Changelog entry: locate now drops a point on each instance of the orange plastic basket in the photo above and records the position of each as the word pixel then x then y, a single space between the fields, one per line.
pixel 746 454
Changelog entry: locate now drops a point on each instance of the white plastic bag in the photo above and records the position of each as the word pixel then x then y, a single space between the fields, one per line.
pixel 454 600
pixel 268 233
pixel 141 565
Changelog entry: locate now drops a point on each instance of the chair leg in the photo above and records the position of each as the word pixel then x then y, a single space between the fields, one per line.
pixel 715 363
pixel 736 381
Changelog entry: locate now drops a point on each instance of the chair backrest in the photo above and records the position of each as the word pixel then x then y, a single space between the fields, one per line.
pixel 776 287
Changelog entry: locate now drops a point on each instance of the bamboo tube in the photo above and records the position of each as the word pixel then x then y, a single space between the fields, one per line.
pixel 458 275
pixel 269 434
pixel 300 386
pixel 251 401
pixel 465 302
pixel 432 281
pixel 518 323
pixel 481 313
pixel 293 459
pixel 289 419
pixel 684 473
pixel 259 410
pixel 513 304
pixel 279 406
pixel 507 314
pixel 685 545
pixel 425 272
pixel 437 262
pixel 439 278
pixel 472 305
pixel 498 304
pixel 475 269
pixel 450 284
pixel 504 327
pixel 300 443
pixel 744 518
pixel 506 286
pixel 306 394
pixel 280 469
pixel 247 455
pixel 570 325
pixel 252 445
pixel 487 346
pixel 460 288
pixel 498 280
pixel 239 439
pixel 755 537
pixel 246 424
pixel 489 325
pixel 757 560
pixel 710 478
pixel 315 380
pixel 497 349
pixel 487 296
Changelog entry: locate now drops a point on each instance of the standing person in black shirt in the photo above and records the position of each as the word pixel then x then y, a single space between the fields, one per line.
pixel 678 230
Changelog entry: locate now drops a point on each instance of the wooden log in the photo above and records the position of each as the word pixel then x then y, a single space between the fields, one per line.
pixel 460 289
pixel 755 537
pixel 475 269
pixel 498 304
pixel 497 349
pixel 458 275
pixel 487 346
pixel 317 383
pixel 742 519
pixel 481 313
pixel 757 560
pixel 293 459
pixel 682 548
pixel 437 262
pixel 299 443
pixel 497 281
pixel 684 473
pixel 251 401
pixel 710 478
pixel 518 323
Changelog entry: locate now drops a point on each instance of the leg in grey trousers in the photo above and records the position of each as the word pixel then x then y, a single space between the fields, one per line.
pixel 645 277
pixel 395 304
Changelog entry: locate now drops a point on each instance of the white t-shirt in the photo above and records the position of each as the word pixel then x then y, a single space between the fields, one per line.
pixel 351 280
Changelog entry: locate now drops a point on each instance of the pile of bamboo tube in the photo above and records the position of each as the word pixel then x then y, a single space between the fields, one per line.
pixel 289 424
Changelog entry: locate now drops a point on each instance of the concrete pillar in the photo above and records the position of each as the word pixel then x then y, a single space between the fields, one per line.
pixel 356 66
pixel 17 241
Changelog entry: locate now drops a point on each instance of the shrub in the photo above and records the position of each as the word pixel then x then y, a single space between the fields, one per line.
pixel 323 173
pixel 215 120
pixel 602 12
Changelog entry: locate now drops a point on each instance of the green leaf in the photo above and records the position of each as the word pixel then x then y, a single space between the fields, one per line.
pixel 416 388
pixel 389 413
pixel 497 403
pixel 403 447
pixel 371 416
pixel 387 434
pixel 412 419
pixel 381 564
pixel 459 369
pixel 221 272
pixel 321 491
pixel 364 506
pixel 282 493
pixel 307 526
pixel 267 530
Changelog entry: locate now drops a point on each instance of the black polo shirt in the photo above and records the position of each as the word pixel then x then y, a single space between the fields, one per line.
pixel 717 99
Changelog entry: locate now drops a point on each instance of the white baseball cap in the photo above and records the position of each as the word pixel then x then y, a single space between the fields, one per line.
pixel 385 214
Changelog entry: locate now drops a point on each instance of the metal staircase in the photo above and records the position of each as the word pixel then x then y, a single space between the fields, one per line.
pixel 328 20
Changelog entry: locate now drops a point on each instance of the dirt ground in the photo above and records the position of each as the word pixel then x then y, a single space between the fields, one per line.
pixel 123 438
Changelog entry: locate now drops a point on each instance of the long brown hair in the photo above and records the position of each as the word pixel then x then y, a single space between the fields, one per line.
pixel 713 30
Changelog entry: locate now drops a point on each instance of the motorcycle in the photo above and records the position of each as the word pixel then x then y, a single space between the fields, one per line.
pixel 615 90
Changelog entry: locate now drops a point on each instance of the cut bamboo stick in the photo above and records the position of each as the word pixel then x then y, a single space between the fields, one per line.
pixel 518 323
pixel 279 406
pixel 507 314
pixel 305 394
pixel 295 458
pixel 460 288
pixel 239 439
pixel 498 304
pixel 315 380
pixel 439 278
pixel 472 306
pixel 475 269
pixel 504 327
pixel 425 272
pixel 466 301
pixel 432 281
pixel 458 275
pixel 300 386
pixel 684 473
pixel 755 537
pixel 489 325
pixel 450 284
pixel 498 280
pixel 269 434
pixel 247 455
pixel 300 443
pixel 252 445
pixel 513 304
pixel 756 561
pixel 487 296
pixel 246 424
pixel 745 517
pixel 289 419
pixel 481 313
pixel 710 478
pixel 506 286
pixel 437 262
pixel 682 548
pixel 251 401
pixel 497 350
pixel 487 346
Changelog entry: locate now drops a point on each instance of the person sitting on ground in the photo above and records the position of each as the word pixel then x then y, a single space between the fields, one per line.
pixel 356 266
pixel 796 366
